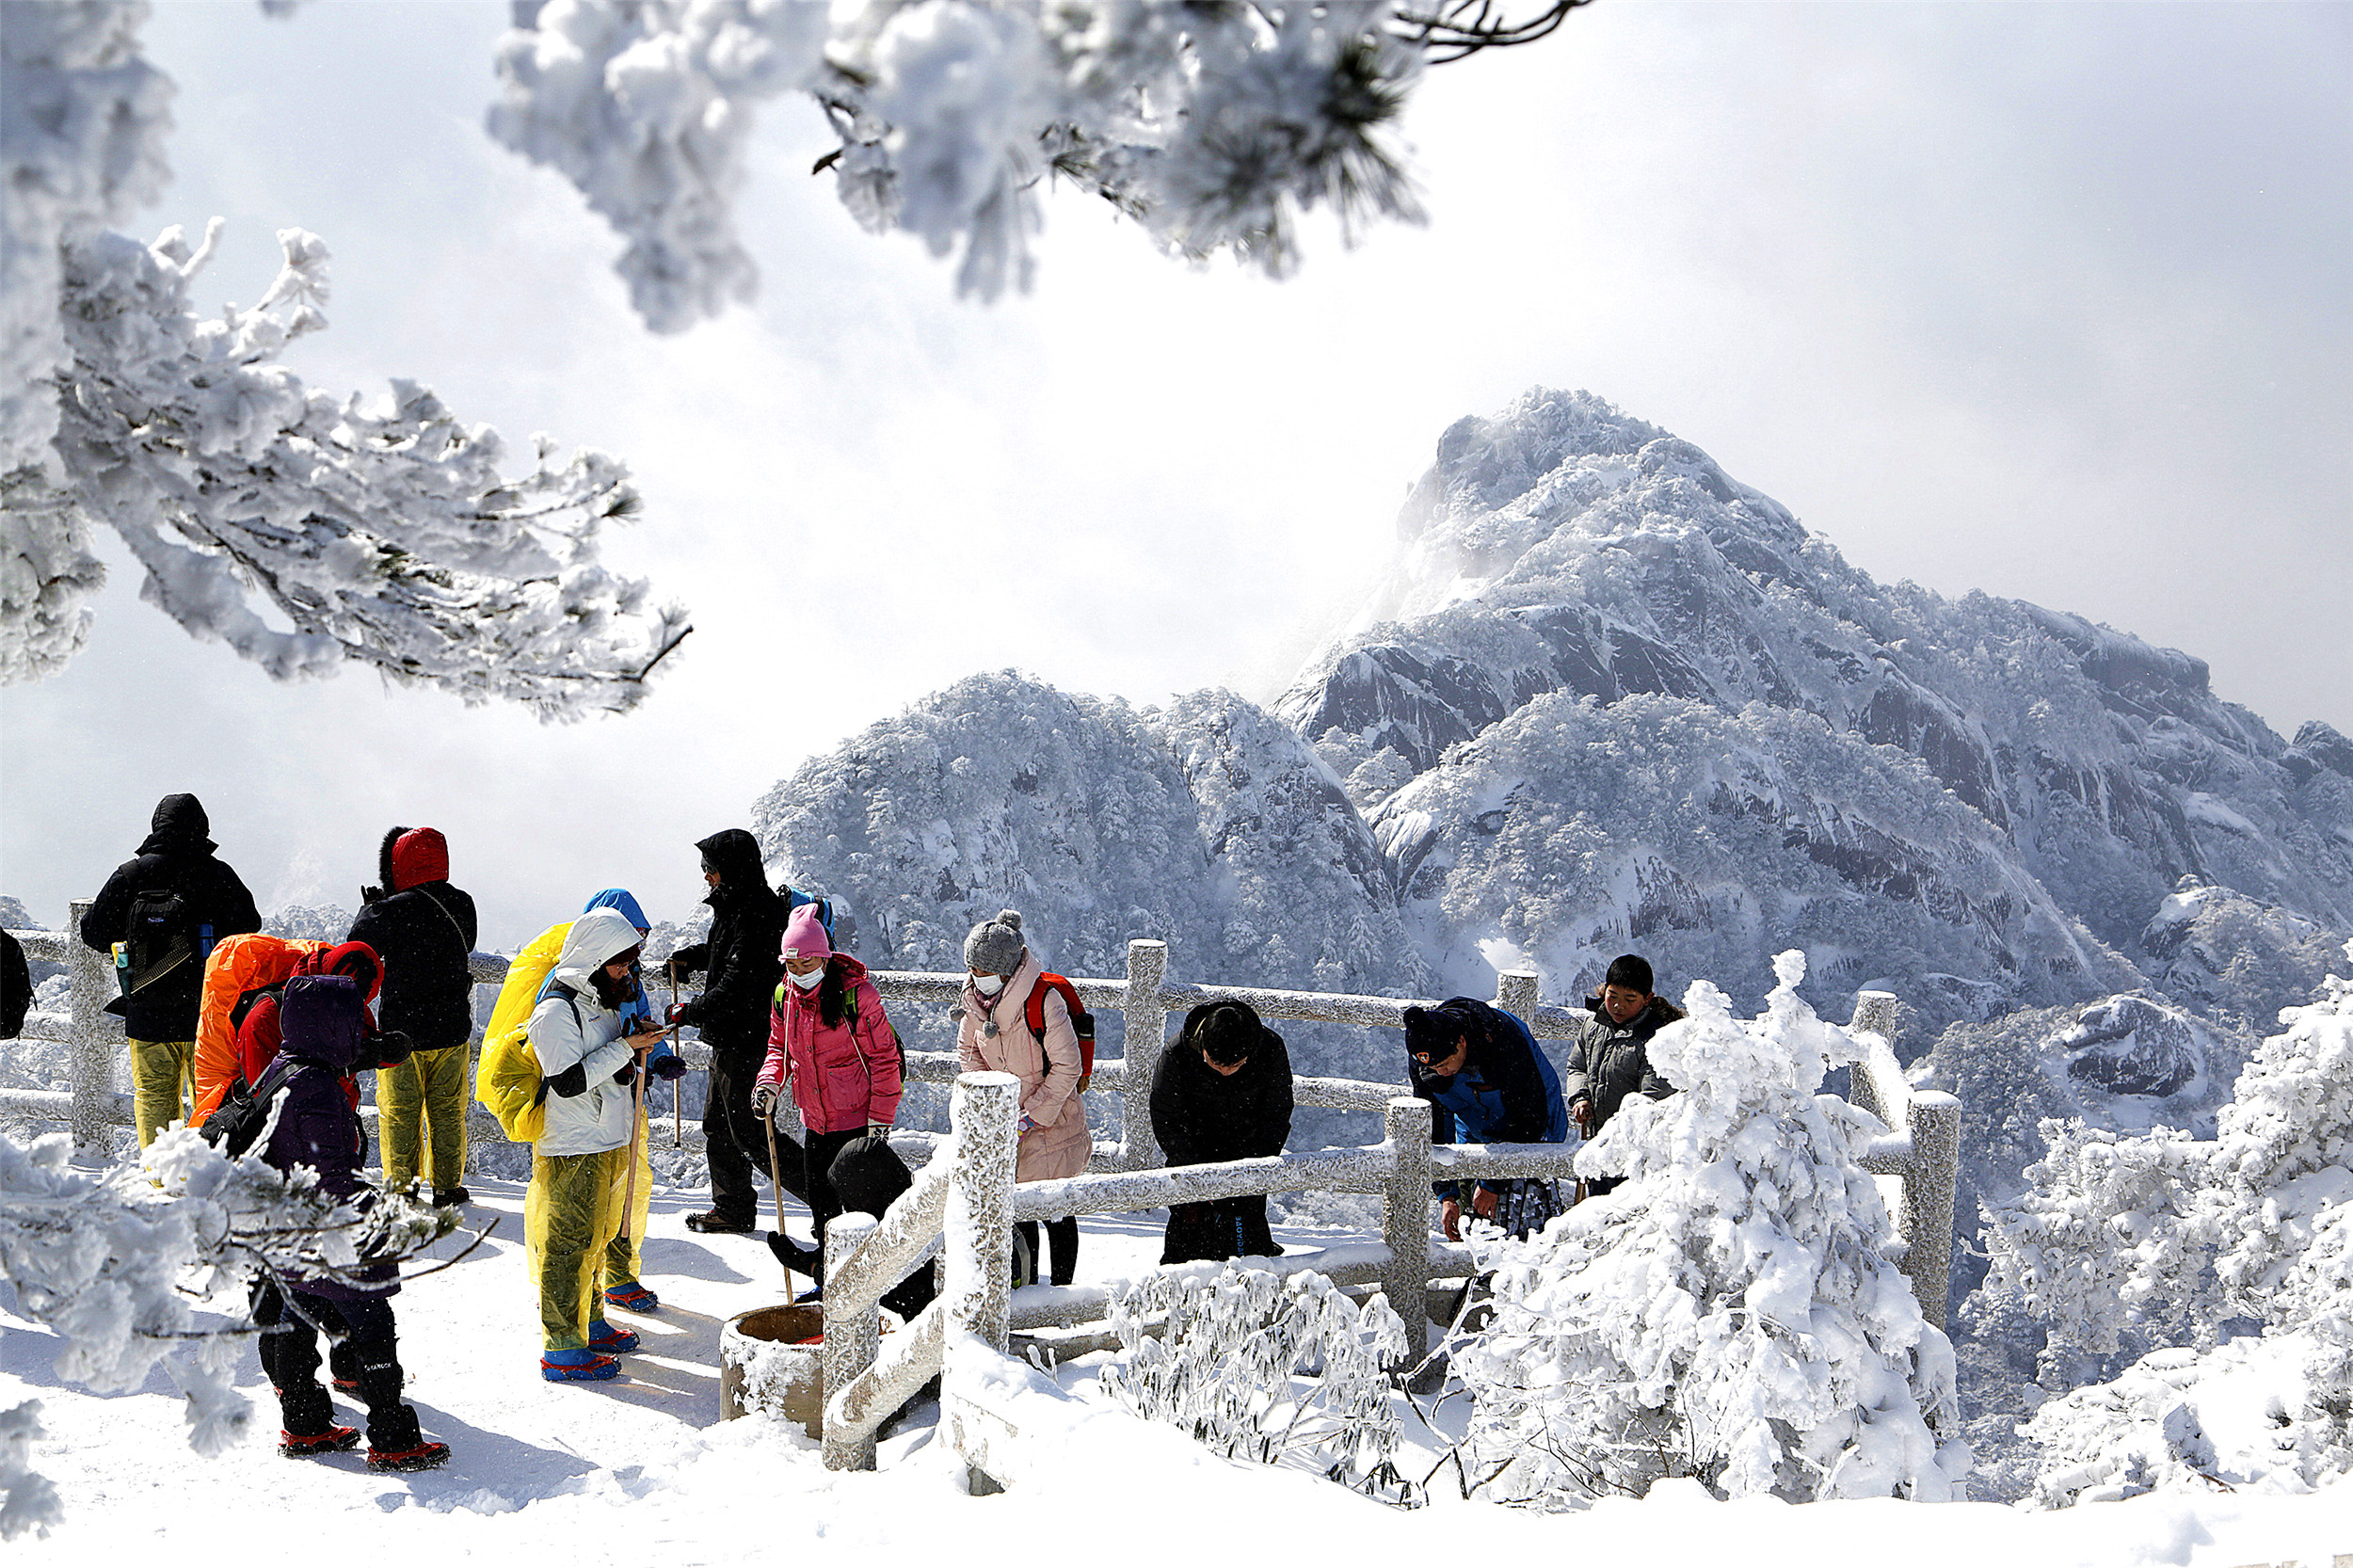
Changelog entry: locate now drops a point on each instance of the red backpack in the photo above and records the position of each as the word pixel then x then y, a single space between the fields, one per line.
pixel 1082 1021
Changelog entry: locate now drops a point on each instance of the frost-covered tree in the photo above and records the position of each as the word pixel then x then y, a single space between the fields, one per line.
pixel 389 535
pixel 1728 1312
pixel 1276 1369
pixel 1212 125
pixel 116 1262
pixel 2257 1225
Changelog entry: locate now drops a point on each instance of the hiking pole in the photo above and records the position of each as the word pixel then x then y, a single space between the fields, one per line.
pixel 768 1123
pixel 678 1084
pixel 636 1133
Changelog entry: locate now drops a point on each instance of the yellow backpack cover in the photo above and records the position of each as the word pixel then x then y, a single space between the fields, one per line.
pixel 507 1080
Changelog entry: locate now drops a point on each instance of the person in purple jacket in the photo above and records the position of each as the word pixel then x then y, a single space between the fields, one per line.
pixel 322 1024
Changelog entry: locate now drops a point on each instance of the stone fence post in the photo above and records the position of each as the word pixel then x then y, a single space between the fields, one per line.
pixel 978 1294
pixel 1147 1031
pixel 1406 1219
pixel 95 1040
pixel 1515 993
pixel 850 1337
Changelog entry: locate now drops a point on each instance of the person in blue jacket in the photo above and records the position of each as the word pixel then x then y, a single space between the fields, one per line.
pixel 1486 1083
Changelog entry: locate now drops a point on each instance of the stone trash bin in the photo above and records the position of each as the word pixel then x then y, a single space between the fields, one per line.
pixel 770 1359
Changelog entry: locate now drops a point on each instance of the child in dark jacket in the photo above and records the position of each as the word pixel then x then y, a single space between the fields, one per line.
pixel 320 1023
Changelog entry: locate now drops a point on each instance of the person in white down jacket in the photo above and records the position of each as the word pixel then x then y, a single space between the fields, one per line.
pixel 579 1166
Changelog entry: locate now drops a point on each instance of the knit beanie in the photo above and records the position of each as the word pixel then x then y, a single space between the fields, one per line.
pixel 995 947
pixel 805 935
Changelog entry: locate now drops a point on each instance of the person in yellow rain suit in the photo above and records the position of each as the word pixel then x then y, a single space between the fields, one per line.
pixel 526 984
pixel 591 1051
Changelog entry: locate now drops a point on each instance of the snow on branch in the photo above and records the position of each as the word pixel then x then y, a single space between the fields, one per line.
pixel 1214 126
pixel 115 1262
pixel 389 535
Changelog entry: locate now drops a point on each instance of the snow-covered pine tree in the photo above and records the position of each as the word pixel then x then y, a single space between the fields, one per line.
pixel 2257 1225
pixel 1727 1313
pixel 392 536
pixel 116 1263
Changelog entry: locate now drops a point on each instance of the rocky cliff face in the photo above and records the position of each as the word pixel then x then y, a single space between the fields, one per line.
pixel 1565 555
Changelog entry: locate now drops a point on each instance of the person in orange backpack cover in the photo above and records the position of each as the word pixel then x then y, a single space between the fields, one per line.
pixel 993 1035
pixel 830 1043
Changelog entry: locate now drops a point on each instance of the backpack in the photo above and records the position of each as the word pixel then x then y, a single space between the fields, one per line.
pixel 161 939
pixel 237 971
pixel 510 1084
pixel 1082 1021
pixel 237 1122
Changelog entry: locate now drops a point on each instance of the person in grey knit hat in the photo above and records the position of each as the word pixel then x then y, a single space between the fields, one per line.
pixel 996 947
pixel 993 1034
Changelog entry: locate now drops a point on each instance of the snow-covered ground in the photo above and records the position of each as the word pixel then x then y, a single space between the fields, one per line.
pixel 644 1471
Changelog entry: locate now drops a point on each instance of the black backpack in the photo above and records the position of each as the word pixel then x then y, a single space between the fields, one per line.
pixel 244 1111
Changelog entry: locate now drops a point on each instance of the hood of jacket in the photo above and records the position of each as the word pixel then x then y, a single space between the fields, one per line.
pixel 320 1019
pixel 619 898
pixel 341 959
pixel 179 825
pixel 735 855
pixel 596 940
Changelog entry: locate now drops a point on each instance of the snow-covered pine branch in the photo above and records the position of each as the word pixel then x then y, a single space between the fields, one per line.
pixel 115 1263
pixel 1727 1313
pixel 388 535
pixel 1266 1368
pixel 1214 126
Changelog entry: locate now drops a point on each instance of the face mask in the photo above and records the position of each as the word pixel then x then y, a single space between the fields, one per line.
pixel 809 981
pixel 989 984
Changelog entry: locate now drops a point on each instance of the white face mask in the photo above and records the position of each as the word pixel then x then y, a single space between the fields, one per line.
pixel 809 981
pixel 989 984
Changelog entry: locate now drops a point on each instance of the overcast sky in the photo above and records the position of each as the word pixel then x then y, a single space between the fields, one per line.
pixel 2054 302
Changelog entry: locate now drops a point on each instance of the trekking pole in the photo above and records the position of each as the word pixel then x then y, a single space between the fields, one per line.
pixel 636 1133
pixel 776 1179
pixel 678 1084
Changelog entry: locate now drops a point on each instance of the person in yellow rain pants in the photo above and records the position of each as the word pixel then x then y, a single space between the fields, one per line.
pixel 527 983
pixel 593 1068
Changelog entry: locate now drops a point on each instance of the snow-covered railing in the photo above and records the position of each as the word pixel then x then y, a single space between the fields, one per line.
pixel 1922 1152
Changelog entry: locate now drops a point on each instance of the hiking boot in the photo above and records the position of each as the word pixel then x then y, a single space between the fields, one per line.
pixel 425 1456
pixel 712 1222
pixel 454 1197
pixel 632 1296
pixel 580 1366
pixel 333 1440
pixel 605 1340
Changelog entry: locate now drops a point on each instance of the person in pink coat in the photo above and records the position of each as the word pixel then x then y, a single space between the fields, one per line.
pixel 830 1041
pixel 993 1035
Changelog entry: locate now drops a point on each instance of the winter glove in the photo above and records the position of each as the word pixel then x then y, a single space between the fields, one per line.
pixel 878 1130
pixel 627 1076
pixel 666 1065
pixel 679 1013
pixel 763 1099
pixel 391 1047
pixel 1026 1126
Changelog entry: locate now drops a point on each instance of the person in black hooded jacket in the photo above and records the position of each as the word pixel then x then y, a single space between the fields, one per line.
pixel 423 929
pixel 1222 1091
pixel 180 900
pixel 744 959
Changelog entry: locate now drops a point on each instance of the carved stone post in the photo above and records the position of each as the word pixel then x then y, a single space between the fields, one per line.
pixel 1405 1218
pixel 1515 993
pixel 1874 1014
pixel 1929 1185
pixel 95 1036
pixel 850 1342
pixel 1148 1027
pixel 983 1110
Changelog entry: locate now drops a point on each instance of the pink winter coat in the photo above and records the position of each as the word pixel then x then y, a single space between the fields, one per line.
pixel 845 1076
pixel 1048 1068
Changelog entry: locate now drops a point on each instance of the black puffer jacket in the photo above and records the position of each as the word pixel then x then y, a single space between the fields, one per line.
pixel 744 955
pixel 1611 1060
pixel 1201 1116
pixel 422 929
pixel 176 856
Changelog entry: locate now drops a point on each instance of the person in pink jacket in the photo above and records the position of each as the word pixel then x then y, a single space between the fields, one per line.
pixel 993 1035
pixel 829 1040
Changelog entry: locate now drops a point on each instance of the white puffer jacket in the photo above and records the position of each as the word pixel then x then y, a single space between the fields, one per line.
pixel 570 1026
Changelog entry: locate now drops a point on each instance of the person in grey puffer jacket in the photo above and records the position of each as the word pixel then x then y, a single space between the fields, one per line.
pixel 1610 1058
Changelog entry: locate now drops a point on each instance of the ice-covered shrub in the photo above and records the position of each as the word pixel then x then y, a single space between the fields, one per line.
pixel 116 1263
pixel 1268 1367
pixel 1727 1313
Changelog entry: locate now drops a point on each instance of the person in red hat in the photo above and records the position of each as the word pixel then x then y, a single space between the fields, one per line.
pixel 424 928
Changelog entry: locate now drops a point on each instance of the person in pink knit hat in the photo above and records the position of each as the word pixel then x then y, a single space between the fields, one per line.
pixel 829 1041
